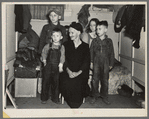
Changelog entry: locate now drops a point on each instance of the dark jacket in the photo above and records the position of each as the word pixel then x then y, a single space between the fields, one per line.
pixel 102 50
pixel 32 37
pixel 46 34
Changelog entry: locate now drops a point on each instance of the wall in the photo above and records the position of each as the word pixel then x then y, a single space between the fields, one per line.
pixel 8 45
pixel 10 39
pixel 70 15
pixel 132 58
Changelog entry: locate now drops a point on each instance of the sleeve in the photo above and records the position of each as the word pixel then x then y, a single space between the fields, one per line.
pixel 42 41
pixel 66 64
pixel 84 37
pixel 64 35
pixel 86 62
pixel 62 58
pixel 111 58
pixel 92 51
pixel 45 51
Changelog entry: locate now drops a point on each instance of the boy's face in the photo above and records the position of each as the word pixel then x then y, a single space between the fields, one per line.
pixel 56 37
pixel 54 17
pixel 101 30
pixel 93 26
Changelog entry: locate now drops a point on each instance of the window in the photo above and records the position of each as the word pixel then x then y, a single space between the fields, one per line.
pixel 40 11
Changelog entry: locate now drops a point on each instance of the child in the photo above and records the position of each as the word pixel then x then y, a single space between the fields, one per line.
pixel 53 16
pixel 53 58
pixel 91 31
pixel 88 37
pixel 102 60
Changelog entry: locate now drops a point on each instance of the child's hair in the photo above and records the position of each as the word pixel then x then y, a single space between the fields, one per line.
pixel 104 23
pixel 59 31
pixel 55 10
pixel 88 26
pixel 56 30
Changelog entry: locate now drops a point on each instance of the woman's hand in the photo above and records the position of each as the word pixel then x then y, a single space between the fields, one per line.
pixel 73 74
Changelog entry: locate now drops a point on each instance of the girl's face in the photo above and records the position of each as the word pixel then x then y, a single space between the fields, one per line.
pixel 54 17
pixel 92 26
pixel 73 33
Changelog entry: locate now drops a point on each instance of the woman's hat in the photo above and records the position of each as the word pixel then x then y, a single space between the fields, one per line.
pixel 77 26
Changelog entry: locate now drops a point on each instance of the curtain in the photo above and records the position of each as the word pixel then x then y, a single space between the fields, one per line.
pixel 40 11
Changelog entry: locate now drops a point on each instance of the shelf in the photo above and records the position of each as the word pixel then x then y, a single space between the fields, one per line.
pixel 138 80
pixel 132 59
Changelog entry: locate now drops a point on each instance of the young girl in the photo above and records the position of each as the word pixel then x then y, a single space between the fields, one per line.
pixel 91 31
pixel 87 37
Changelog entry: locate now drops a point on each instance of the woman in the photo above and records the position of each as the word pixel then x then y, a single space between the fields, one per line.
pixel 73 84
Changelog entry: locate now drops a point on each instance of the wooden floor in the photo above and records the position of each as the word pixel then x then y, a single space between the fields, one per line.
pixel 117 101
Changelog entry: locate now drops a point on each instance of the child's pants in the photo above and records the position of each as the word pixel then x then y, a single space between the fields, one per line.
pixel 101 73
pixel 50 78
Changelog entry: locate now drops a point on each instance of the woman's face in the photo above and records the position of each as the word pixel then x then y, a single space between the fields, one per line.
pixel 73 33
pixel 93 26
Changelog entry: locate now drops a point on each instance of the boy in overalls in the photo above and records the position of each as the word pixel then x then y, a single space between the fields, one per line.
pixel 102 60
pixel 53 58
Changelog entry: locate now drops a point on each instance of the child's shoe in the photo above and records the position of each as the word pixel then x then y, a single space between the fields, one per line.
pixel 93 100
pixel 106 101
pixel 56 101
pixel 43 102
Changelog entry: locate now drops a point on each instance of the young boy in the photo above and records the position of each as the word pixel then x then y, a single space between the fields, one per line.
pixel 53 58
pixel 53 16
pixel 102 60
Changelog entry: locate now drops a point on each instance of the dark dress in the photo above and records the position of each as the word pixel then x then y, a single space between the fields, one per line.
pixel 75 89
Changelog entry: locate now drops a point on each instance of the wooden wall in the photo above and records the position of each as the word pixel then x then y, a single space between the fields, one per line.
pixel 132 58
pixel 70 15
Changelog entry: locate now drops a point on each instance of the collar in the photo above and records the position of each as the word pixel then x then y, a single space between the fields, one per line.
pixel 55 46
pixel 53 26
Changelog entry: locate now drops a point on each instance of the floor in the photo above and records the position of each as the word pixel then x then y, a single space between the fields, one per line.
pixel 117 101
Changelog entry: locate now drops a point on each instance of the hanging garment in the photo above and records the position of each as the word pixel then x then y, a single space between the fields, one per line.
pixel 120 20
pixel 135 23
pixel 29 39
pixel 115 11
pixel 22 19
pixel 83 15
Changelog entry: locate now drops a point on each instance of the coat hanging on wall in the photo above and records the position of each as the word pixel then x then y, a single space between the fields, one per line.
pixel 135 24
pixel 29 39
pixel 83 15
pixel 22 19
pixel 132 18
